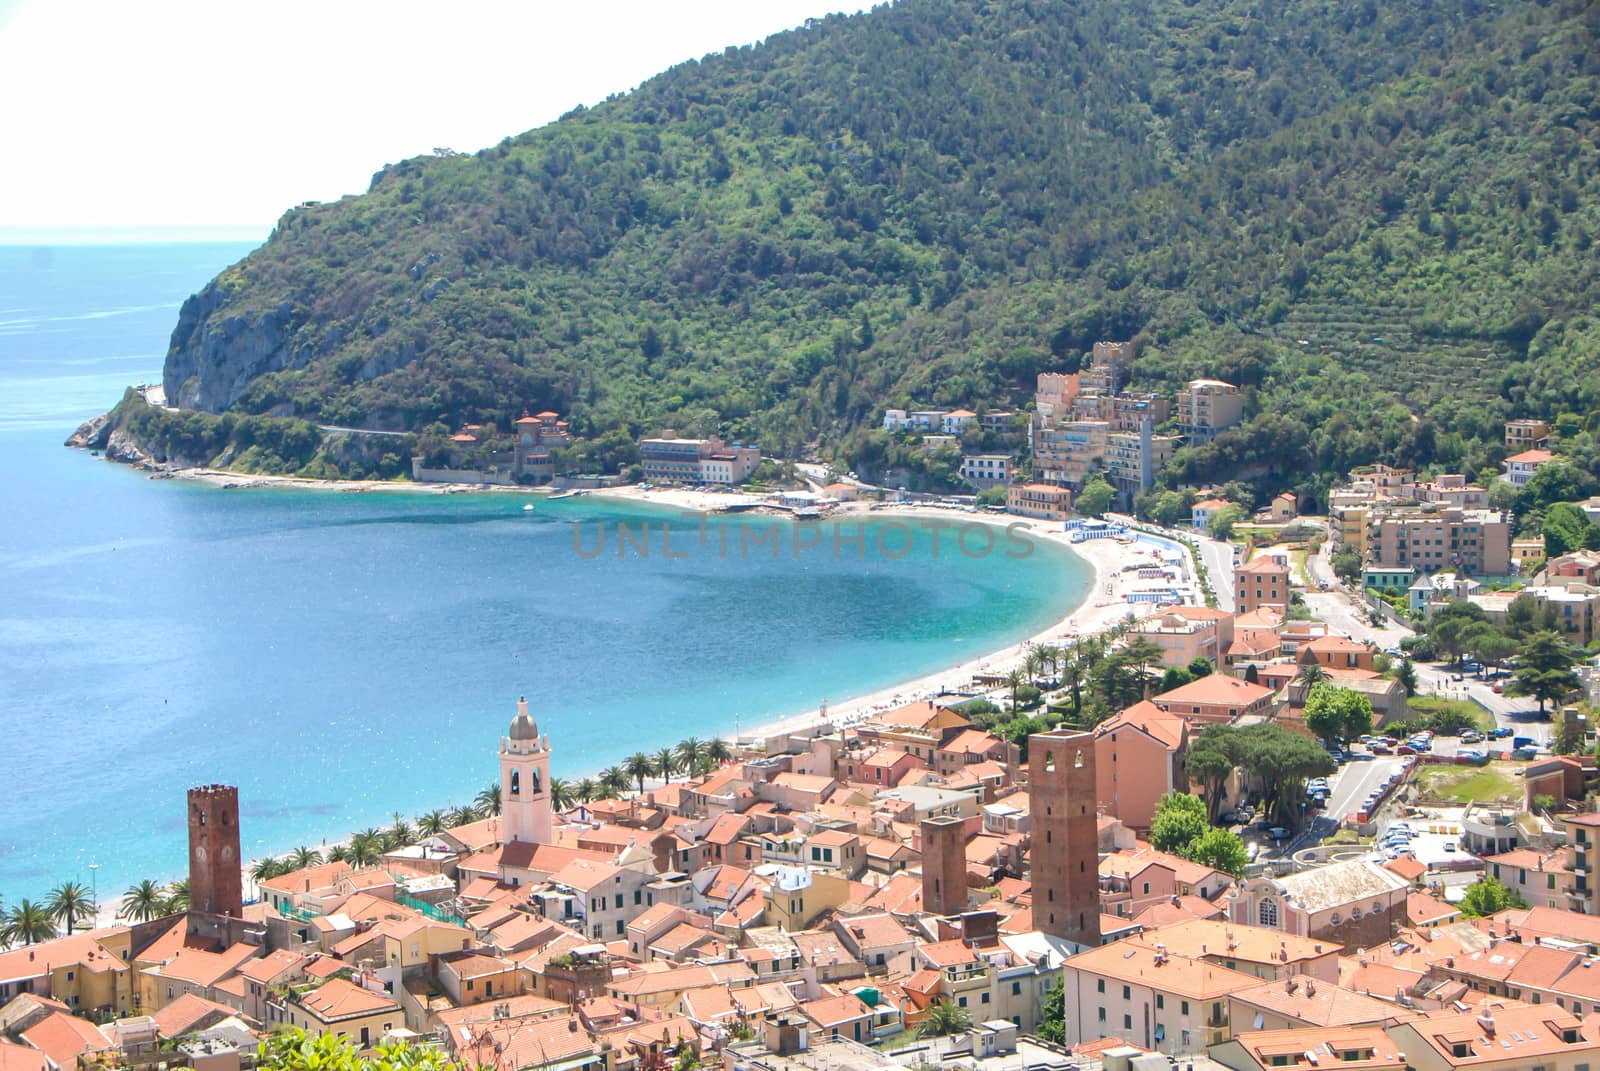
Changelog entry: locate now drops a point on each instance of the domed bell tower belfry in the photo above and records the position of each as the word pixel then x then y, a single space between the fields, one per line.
pixel 525 781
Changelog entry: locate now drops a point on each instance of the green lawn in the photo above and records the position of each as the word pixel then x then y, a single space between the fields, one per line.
pixel 1482 720
pixel 1468 784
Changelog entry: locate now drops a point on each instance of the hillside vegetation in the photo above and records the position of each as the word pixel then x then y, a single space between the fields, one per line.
pixel 1376 217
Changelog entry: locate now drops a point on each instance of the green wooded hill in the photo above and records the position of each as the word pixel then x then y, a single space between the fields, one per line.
pixel 1378 217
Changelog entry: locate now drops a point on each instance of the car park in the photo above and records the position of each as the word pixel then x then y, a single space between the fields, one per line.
pixel 1525 753
pixel 1277 833
pixel 1405 749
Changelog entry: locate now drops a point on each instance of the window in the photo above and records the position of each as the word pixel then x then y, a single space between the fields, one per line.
pixel 1184 1010
pixel 1016 987
pixel 1267 914
pixel 1099 986
pixel 1161 1001
pixel 1102 1015
pixel 1127 1021
pixel 1127 993
pixel 516 782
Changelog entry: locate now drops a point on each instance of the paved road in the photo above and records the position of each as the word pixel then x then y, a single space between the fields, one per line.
pixel 335 429
pixel 1357 778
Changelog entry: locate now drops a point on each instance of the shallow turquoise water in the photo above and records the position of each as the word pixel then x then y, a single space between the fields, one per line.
pixel 342 656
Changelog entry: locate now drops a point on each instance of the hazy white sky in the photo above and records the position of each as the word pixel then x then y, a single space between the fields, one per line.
pixel 205 112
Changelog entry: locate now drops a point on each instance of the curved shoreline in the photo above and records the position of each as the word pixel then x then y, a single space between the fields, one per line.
pixel 1095 608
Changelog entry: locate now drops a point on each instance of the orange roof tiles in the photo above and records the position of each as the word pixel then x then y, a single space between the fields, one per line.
pixel 1214 689
pixel 339 999
pixel 187 1014
pixel 64 1038
pixel 1134 963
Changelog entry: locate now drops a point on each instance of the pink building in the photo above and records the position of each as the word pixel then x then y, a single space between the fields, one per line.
pixel 1185 633
pixel 1138 758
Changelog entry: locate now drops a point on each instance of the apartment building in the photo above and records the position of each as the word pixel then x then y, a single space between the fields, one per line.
pixel 1207 407
pixel 986 470
pixel 1430 538
pixel 1527 435
pixel 1521 467
pixel 1132 457
pixel 673 460
pixel 1047 502
pixel 1261 582
pixel 1065 453
pixel 1144 995
pixel 1110 365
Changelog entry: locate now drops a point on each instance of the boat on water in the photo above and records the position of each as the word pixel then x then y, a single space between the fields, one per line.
pixel 527 507
pixel 568 494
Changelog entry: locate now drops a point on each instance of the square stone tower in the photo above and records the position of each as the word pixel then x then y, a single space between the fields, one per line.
pixel 944 866
pixel 1064 853
pixel 216 884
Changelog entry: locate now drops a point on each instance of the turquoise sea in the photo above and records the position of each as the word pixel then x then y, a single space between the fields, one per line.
pixel 343 656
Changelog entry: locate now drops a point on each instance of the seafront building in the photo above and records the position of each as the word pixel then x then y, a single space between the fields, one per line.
pixel 673 460
pixel 822 891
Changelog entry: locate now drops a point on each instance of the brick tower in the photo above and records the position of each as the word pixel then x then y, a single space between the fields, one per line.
pixel 216 886
pixel 1065 843
pixel 944 866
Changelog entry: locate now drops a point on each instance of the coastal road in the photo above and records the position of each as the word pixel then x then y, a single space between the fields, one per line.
pixel 335 429
pixel 1218 559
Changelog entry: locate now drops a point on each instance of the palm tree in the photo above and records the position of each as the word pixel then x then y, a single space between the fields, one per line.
pixel 616 779
pixel 143 902
pixel 303 857
pixel 718 751
pixel 561 794
pixel 366 848
pixel 488 801
pixel 689 752
pixel 26 923
pixel 586 790
pixel 433 822
pixel 943 1017
pixel 178 896
pixel 666 764
pixel 401 835
pixel 639 767
pixel 339 853
pixel 604 790
pixel 1015 680
pixel 461 816
pixel 1311 674
pixel 70 903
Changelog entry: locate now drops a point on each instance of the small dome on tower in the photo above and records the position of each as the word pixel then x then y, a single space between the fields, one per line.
pixel 523 727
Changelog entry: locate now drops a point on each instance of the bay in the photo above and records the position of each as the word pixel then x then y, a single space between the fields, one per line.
pixel 344 656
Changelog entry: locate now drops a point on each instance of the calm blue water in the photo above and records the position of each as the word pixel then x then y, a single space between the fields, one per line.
pixel 342 656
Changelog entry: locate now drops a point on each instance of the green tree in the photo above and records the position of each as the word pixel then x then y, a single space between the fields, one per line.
pixel 1179 820
pixel 143 902
pixel 1223 521
pixel 1347 564
pixel 435 821
pixel 1095 497
pixel 1210 764
pixel 1544 669
pixel 561 795
pixel 1219 849
pixel 1405 671
pixel 1052 1025
pixel 1312 674
pixel 1488 644
pixel 616 779
pixel 488 800
pixel 718 751
pixel 303 857
pixel 70 903
pixel 690 751
pixel 587 789
pixel 1338 713
pixel 177 896
pixel 26 924
pixel 943 1017
pixel 1280 761
pixel 1564 529
pixel 295 1050
pixel 1486 896
pixel 1200 666
pixel 666 764
pixel 1452 625
pixel 1174 677
pixel 640 767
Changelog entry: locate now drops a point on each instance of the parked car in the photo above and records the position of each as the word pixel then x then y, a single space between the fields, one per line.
pixel 1525 753
pixel 1378 747
pixel 1471 736
pixel 1277 833
pixel 1405 749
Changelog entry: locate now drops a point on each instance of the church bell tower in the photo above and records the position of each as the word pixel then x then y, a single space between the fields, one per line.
pixel 525 781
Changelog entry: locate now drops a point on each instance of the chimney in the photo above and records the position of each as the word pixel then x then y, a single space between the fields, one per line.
pixel 1311 987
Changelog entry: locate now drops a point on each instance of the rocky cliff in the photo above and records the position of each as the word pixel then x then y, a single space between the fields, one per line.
pixel 215 354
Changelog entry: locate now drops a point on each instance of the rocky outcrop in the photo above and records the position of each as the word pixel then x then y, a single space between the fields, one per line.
pixel 92 434
pixel 120 446
pixel 216 352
